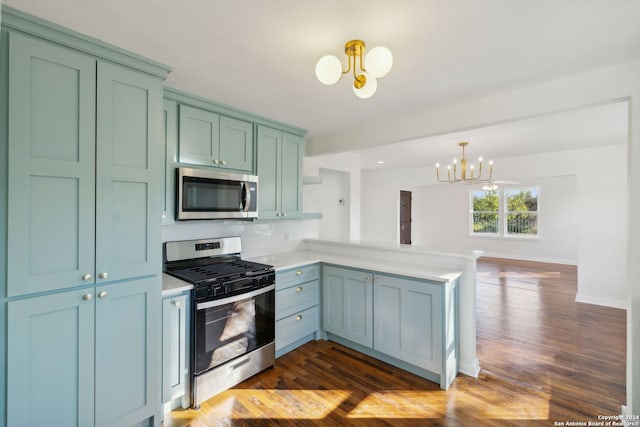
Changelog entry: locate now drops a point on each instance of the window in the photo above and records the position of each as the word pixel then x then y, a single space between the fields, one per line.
pixel 511 212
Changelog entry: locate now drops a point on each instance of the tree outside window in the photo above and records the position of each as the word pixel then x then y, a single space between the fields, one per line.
pixel 517 216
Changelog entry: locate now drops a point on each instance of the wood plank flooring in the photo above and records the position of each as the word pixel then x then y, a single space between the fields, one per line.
pixel 544 358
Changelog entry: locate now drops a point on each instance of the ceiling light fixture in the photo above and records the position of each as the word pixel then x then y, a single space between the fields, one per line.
pixel 379 61
pixel 467 171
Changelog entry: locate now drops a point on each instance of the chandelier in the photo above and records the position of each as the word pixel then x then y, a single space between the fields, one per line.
pixel 378 63
pixel 466 173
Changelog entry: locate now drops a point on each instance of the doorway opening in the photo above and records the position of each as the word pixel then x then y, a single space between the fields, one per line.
pixel 405 217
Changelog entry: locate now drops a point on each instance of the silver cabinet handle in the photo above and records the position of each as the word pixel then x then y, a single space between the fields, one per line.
pixel 375 279
pixel 86 297
pixel 299 289
pixel 278 214
pixel 103 275
pixel 367 278
pixel 284 214
pixel 216 161
pixel 87 277
pixel 224 162
pixel 299 317
pixel 102 294
pixel 175 303
pixel 299 273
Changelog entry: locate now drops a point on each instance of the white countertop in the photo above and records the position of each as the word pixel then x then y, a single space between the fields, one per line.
pixel 172 285
pixel 288 260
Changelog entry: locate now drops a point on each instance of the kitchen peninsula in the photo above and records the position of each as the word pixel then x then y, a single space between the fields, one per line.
pixel 390 300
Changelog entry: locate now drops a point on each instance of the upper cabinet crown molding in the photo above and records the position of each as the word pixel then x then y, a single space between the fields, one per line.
pixel 186 98
pixel 16 20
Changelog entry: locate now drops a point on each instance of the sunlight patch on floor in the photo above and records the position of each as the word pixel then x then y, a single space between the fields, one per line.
pixel 293 404
pixel 407 404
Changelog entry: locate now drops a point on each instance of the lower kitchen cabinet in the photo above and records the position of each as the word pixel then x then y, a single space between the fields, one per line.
pixel 175 354
pixel 348 304
pixel 85 357
pixel 410 323
pixel 297 311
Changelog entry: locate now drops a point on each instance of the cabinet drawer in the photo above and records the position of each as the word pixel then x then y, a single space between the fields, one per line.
pixel 297 298
pixel 295 276
pixel 292 328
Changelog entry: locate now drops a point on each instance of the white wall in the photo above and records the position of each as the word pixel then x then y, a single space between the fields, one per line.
pixel 335 188
pixel 573 231
pixel 258 238
pixel 343 162
pixel 446 222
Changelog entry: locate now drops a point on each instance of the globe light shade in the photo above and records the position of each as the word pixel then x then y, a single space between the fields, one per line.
pixel 368 89
pixel 329 69
pixel 378 61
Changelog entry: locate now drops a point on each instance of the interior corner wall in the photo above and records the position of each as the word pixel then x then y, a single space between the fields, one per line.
pixel 342 162
pixel 602 226
pixel 335 202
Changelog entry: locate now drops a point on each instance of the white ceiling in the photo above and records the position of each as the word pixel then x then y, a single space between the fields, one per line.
pixel 260 55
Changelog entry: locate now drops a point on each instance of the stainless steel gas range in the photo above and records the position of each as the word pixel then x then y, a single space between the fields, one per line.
pixel 233 312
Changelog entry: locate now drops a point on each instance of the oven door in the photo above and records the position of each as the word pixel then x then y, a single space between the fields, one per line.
pixel 230 327
pixel 203 194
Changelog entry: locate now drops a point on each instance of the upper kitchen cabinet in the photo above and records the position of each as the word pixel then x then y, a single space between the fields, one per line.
pixel 280 172
pixel 209 139
pixel 84 163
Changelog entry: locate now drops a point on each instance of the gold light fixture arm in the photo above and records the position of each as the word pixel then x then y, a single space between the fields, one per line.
pixel 354 50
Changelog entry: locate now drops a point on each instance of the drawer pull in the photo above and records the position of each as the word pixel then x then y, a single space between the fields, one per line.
pixel 299 273
pixel 299 317
pixel 299 289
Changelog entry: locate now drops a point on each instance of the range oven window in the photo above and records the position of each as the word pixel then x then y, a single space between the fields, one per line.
pixel 213 195
pixel 226 330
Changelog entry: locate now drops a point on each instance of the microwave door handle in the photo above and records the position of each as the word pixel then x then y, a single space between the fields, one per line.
pixel 246 196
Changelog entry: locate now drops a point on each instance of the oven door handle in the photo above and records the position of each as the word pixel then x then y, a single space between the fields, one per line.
pixel 219 302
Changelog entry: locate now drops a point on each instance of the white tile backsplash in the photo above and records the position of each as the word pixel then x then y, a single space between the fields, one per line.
pixel 258 238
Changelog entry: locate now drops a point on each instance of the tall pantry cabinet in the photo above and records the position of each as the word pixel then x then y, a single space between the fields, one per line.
pixel 82 156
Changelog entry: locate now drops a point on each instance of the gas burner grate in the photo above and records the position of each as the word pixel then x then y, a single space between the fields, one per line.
pixel 218 271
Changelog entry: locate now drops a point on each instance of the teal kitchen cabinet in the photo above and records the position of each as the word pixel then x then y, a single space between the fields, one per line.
pixel 170 120
pixel 407 320
pixel 175 363
pixel 209 139
pixel 347 304
pixel 280 172
pixel 84 357
pixel 83 192
pixel 297 307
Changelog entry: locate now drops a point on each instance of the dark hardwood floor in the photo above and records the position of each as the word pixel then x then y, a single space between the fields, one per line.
pixel 544 358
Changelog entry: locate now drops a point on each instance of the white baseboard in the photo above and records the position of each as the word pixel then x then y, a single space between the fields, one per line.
pixel 625 410
pixel 532 259
pixel 607 302
pixel 472 369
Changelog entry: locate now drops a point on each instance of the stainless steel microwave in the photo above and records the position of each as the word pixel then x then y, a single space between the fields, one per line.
pixel 209 194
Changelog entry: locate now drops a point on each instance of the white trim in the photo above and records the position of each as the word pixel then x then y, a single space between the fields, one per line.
pixel 471 369
pixel 533 259
pixel 606 302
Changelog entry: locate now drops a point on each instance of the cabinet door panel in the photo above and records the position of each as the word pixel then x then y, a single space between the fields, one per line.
pixel 269 171
pixel 51 166
pixel 170 158
pixel 127 351
pixel 236 144
pixel 387 297
pixel 129 173
pixel 348 304
pixel 292 153
pixel 50 360
pixel 175 368
pixel 199 136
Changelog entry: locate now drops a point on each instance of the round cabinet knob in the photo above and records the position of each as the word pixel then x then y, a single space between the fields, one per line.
pixel 299 317
pixel 87 277
pixel 103 275
pixel 216 161
pixel 299 289
pixel 102 294
pixel 224 162
pixel 86 297
pixel 278 214
pixel 175 303
pixel 299 273
pixel 284 214
pixel 367 278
